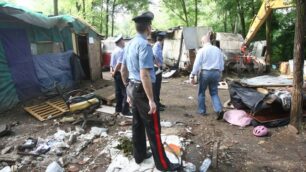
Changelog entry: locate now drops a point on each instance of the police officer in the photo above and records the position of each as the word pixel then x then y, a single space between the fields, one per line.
pixel 158 61
pixel 138 67
pixel 122 106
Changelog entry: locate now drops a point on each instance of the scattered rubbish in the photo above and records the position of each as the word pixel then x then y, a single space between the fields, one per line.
pixel 120 162
pixel 107 109
pixel 165 81
pixel 100 132
pixel 189 167
pixel 41 149
pixel 61 135
pixel 237 117
pixel 67 119
pixel 228 105
pixel 6 150
pixel 262 91
pixel 168 74
pixel 189 131
pixel 84 161
pixel 173 148
pixel 190 98
pixel 73 168
pixel 205 164
pixel 30 143
pixel 4 130
pixel 9 158
pixel 125 123
pixel 198 146
pixel 260 131
pixel 166 124
pixel 82 146
pixel 285 97
pixel 72 139
pixel 222 85
pixel 6 169
pixel 54 167
pixel 188 115
pixel 261 142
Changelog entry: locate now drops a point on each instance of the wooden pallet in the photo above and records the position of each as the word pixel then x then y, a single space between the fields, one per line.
pixel 48 110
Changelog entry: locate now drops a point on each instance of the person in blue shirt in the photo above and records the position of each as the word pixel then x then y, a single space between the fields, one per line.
pixel 122 107
pixel 158 61
pixel 209 63
pixel 138 75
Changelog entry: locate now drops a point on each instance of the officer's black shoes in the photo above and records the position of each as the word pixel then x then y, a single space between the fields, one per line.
pixel 174 167
pixel 220 115
pixel 162 106
pixel 161 109
pixel 149 154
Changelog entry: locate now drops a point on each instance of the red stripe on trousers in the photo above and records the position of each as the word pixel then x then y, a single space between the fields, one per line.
pixel 158 142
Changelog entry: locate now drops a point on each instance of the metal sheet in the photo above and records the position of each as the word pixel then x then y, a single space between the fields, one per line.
pixel 193 35
pixel 267 81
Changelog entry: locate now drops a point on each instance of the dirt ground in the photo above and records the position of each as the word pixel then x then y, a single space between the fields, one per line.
pixel 235 148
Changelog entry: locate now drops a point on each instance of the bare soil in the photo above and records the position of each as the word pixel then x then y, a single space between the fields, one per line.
pixel 237 149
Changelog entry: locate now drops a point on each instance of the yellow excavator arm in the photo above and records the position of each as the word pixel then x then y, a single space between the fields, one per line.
pixel 264 11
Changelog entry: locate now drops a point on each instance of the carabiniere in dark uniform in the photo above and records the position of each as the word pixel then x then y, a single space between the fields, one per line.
pixel 138 67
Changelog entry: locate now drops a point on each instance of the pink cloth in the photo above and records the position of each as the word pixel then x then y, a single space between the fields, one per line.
pixel 237 117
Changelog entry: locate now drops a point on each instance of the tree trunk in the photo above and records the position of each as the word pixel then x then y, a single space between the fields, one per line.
pixel 253 8
pixel 113 16
pixel 196 13
pixel 106 19
pixel 101 17
pixel 269 40
pixel 241 15
pixel 84 12
pixel 185 12
pixel 225 22
pixel 55 5
pixel 296 101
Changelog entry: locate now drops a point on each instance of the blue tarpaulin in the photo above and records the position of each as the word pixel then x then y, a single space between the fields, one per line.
pixel 54 69
pixel 18 55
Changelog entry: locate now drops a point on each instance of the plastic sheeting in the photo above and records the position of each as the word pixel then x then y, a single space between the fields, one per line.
pixel 18 55
pixel 245 98
pixel 46 22
pixel 8 95
pixel 54 69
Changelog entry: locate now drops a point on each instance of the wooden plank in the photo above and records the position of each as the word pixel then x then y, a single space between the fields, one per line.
pixel 94 53
pixel 215 155
pixel 9 158
pixel 106 93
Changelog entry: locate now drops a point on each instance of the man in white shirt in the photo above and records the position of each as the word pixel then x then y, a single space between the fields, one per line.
pixel 209 63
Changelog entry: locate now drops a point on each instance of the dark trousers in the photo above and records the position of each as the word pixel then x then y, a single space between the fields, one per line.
pixel 121 104
pixel 157 87
pixel 142 121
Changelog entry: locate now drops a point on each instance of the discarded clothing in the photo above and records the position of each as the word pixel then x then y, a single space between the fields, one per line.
pixel 237 117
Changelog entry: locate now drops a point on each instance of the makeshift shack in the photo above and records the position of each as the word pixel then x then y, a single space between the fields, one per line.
pixel 36 52
pixel 182 43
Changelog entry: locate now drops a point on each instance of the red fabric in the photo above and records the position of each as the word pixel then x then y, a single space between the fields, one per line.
pixel 158 142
